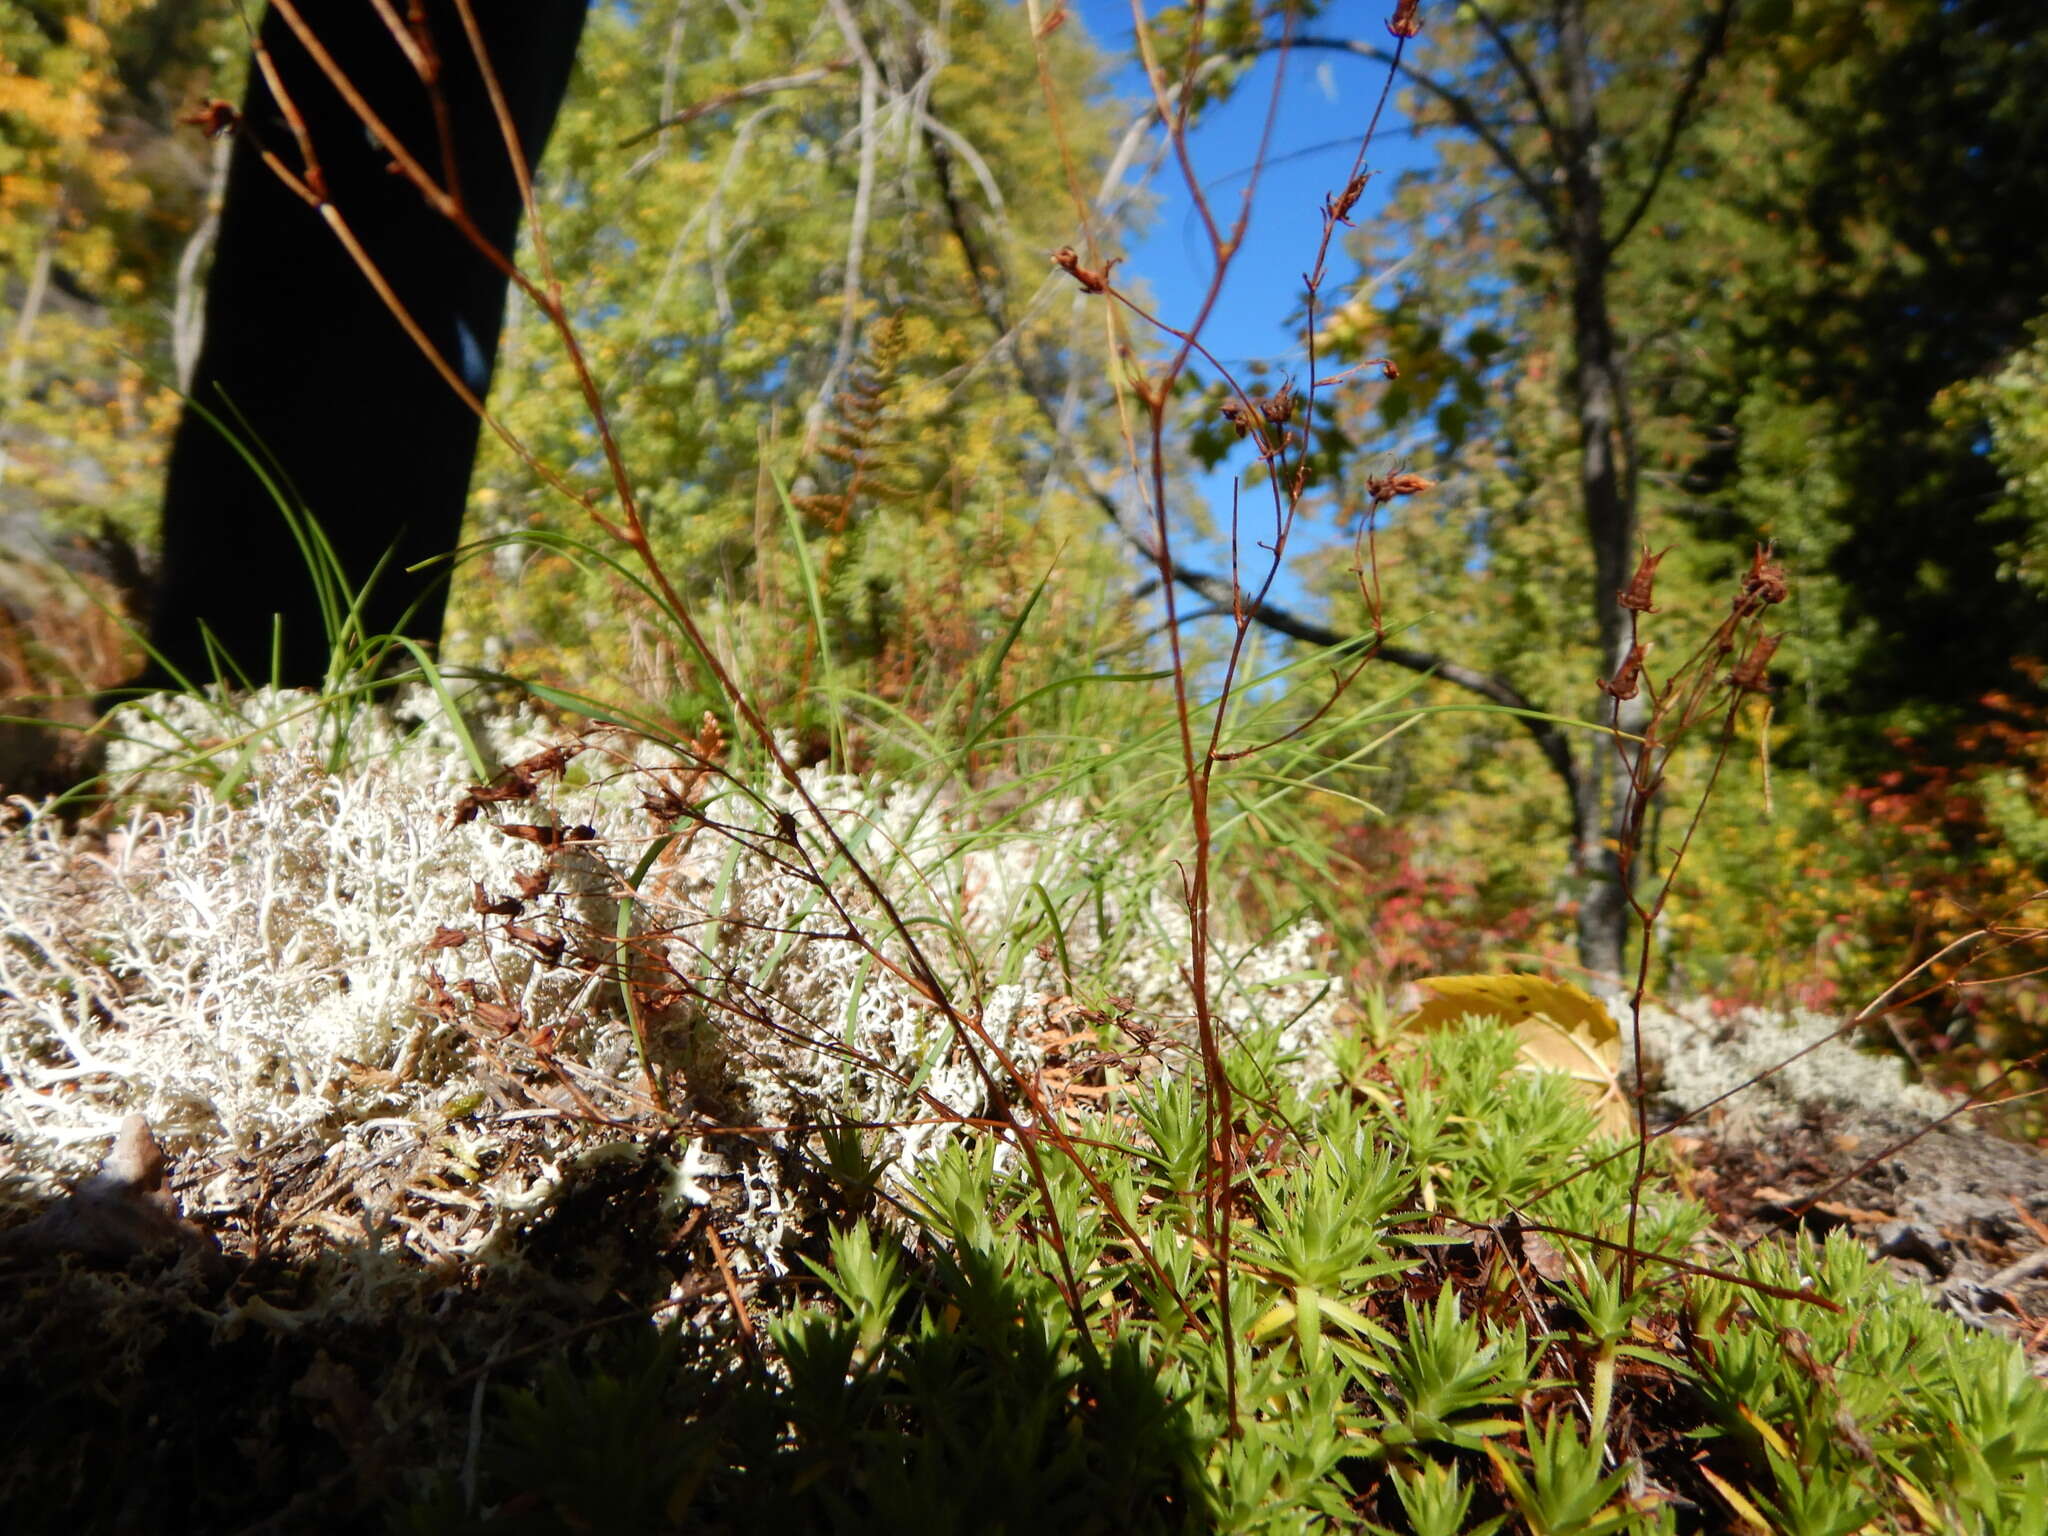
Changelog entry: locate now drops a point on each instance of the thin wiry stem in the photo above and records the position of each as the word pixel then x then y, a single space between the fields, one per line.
pixel 629 528
pixel 1153 391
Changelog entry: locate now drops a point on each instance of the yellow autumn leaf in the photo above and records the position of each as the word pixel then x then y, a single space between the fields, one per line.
pixel 1557 1027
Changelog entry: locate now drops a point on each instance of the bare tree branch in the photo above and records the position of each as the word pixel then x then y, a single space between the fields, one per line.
pixel 1549 736
pixel 857 224
pixel 983 271
pixel 1711 44
pixel 1531 86
pixel 743 93
pixel 1459 105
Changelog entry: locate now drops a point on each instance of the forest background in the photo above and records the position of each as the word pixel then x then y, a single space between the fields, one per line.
pixel 1821 251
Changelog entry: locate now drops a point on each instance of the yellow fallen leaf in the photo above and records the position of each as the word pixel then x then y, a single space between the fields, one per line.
pixel 1512 999
pixel 1558 1028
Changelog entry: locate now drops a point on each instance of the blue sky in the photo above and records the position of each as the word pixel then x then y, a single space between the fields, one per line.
pixel 1325 102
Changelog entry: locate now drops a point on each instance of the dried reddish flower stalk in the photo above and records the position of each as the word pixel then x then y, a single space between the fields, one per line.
pixel 1405 22
pixel 548 946
pixel 1337 208
pixel 1637 595
pixel 1763 586
pixel 1278 408
pixel 1751 674
pixel 1627 682
pixel 213 117
pixel 1091 281
pixel 1384 488
pixel 548 760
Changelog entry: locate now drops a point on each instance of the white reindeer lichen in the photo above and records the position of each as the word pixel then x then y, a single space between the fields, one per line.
pixel 255 964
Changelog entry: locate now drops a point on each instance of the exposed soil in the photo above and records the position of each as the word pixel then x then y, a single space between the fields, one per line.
pixel 1954 1210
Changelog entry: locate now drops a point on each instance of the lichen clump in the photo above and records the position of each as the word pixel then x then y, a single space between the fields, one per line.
pixel 314 947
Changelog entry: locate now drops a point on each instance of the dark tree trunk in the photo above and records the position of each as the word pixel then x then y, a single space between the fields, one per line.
pixel 1607 488
pixel 306 369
